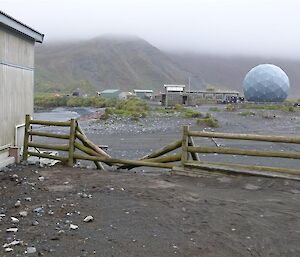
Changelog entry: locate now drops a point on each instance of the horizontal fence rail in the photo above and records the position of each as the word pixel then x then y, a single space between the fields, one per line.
pixel 49 147
pixel 46 134
pixel 239 151
pixel 244 166
pixel 188 150
pixel 50 123
pixel 252 137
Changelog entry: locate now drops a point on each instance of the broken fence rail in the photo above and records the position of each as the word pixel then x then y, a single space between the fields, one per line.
pixel 78 142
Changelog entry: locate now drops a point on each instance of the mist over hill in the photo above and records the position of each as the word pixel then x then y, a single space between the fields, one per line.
pixel 130 62
pixel 105 62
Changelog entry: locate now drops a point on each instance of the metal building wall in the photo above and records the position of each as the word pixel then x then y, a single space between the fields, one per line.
pixel 16 83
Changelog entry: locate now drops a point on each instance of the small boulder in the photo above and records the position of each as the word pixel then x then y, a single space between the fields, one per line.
pixel 31 249
pixel 18 203
pixel 23 213
pixel 73 226
pixel 88 218
pixel 14 220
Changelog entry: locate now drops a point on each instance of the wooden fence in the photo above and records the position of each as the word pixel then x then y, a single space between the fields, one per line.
pixel 235 167
pixel 79 147
pixel 76 139
pixel 181 156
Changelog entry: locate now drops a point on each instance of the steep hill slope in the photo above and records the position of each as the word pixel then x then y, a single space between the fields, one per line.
pixel 104 62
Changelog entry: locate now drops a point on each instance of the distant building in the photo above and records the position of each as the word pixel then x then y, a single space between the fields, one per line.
pixel 177 94
pixel 17 42
pixel 110 93
pixel 125 95
pixel 174 88
pixel 143 93
pixel 115 94
pixel 195 96
pixel 173 94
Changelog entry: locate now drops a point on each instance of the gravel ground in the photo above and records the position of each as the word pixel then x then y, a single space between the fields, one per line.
pixel 146 214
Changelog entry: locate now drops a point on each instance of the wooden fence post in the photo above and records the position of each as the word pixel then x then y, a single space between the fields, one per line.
pixel 185 142
pixel 195 156
pixel 26 137
pixel 72 142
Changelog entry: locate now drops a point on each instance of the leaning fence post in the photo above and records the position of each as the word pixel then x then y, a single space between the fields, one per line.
pixel 72 142
pixel 185 142
pixel 26 137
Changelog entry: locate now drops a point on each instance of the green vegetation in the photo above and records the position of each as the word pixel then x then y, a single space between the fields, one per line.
pixel 179 107
pixel 247 113
pixel 163 110
pixel 231 108
pixel 214 109
pixel 184 112
pixel 189 113
pixel 209 121
pixel 134 108
pixel 252 106
pixel 282 107
pixel 266 115
pixel 94 101
pixel 49 101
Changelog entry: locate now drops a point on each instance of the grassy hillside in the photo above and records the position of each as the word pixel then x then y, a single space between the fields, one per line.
pixel 102 63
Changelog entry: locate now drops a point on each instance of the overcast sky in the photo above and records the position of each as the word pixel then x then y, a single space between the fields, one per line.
pixel 255 27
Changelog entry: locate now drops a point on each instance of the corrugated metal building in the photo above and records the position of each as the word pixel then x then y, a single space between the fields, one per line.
pixel 17 42
pixel 111 93
pixel 196 96
pixel 143 93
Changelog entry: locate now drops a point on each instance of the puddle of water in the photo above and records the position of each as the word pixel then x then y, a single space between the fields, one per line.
pixel 62 114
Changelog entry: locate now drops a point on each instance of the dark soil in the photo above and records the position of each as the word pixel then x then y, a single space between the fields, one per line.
pixel 149 214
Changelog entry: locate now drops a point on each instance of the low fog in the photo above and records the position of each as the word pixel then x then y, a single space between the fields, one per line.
pixel 266 28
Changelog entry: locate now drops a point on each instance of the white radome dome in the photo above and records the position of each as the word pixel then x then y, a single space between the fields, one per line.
pixel 266 83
